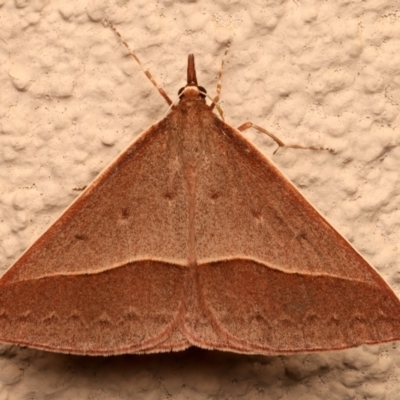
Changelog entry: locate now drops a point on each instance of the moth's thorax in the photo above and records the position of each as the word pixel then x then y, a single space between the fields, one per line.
pixel 189 124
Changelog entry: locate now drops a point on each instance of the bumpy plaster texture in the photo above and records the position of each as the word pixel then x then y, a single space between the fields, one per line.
pixel 315 73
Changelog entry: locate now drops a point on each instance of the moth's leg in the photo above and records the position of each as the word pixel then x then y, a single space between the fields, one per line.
pixel 279 142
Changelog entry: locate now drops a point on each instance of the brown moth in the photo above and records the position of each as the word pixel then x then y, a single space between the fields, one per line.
pixel 191 237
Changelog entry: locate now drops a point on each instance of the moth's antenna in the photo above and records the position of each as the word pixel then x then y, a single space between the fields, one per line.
pixel 146 72
pixel 219 84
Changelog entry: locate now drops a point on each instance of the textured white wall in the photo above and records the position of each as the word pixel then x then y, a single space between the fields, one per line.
pixel 312 72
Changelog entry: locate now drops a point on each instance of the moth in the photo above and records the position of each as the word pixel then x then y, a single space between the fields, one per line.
pixel 192 237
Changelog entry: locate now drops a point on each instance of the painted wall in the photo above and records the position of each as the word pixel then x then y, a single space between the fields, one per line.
pixel 314 73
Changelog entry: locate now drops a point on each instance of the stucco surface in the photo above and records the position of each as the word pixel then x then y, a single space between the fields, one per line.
pixel 314 73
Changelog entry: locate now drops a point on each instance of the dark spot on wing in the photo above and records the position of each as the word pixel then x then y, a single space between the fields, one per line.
pixel 80 236
pixel 125 213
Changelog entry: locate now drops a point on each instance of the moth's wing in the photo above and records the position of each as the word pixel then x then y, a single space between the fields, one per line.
pixel 108 276
pixel 274 276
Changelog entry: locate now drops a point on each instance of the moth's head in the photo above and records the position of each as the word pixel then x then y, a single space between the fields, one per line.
pixel 192 89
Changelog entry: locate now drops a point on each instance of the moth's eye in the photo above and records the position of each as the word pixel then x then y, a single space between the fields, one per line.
pixel 180 91
pixel 203 91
